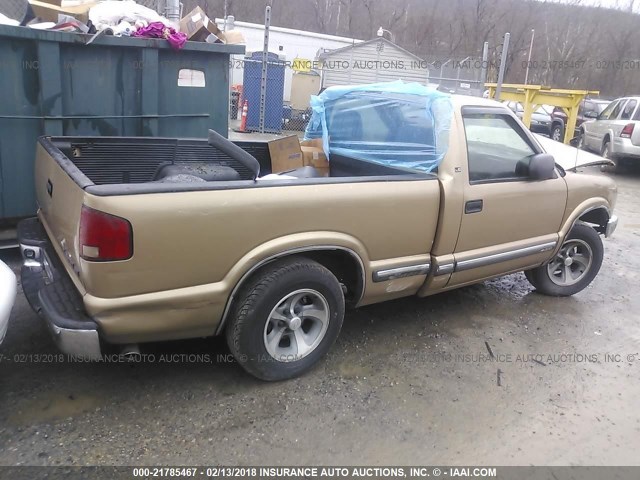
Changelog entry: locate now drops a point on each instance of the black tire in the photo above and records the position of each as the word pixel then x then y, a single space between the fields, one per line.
pixel 540 277
pixel 557 133
pixel 257 301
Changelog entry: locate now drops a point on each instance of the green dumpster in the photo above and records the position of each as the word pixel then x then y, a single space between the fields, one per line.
pixel 53 83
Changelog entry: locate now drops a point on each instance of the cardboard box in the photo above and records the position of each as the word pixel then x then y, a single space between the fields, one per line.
pixel 314 142
pixel 197 26
pixel 211 38
pixel 315 157
pixel 233 37
pixel 289 153
pixel 48 10
pixel 285 153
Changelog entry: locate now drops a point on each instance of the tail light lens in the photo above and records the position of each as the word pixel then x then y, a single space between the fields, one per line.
pixel 104 237
pixel 627 131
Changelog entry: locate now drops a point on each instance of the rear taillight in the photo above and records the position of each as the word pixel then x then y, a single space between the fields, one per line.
pixel 627 131
pixel 104 237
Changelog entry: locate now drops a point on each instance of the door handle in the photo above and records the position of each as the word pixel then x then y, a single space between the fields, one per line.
pixel 473 206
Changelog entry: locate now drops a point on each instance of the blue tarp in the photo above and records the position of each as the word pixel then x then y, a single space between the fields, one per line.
pixel 395 123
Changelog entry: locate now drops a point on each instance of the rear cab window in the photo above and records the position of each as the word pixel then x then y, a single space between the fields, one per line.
pixel 389 129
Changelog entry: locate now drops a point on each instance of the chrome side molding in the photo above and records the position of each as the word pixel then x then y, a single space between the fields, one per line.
pixel 445 269
pixel 400 272
pixel 504 256
pixel 460 266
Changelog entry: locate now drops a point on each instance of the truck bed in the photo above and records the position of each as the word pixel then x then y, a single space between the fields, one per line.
pixel 137 162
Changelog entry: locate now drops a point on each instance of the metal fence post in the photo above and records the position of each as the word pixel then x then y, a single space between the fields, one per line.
pixel 485 58
pixel 526 74
pixel 265 58
pixel 503 62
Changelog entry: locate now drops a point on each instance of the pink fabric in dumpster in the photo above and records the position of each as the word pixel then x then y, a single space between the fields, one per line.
pixel 160 30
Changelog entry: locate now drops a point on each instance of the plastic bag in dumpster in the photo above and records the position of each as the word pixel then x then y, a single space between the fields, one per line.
pixel 398 124
pixel 4 20
pixel 110 13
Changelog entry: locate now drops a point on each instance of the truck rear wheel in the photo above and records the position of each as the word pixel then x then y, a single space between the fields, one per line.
pixel 286 319
pixel 574 267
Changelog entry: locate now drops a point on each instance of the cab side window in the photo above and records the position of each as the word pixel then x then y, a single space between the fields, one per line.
pixel 628 109
pixel 587 107
pixel 606 113
pixel 617 109
pixel 582 108
pixel 497 148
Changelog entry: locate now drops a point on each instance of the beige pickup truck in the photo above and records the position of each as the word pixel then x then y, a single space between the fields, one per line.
pixel 145 239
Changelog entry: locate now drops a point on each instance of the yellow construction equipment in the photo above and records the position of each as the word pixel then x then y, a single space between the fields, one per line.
pixel 532 96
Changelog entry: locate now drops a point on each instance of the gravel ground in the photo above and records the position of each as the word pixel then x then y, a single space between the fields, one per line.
pixel 408 382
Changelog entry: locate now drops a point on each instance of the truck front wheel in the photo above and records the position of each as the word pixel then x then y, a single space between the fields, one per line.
pixel 286 319
pixel 574 267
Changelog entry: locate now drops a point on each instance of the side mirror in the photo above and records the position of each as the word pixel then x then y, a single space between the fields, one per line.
pixel 542 166
pixel 590 114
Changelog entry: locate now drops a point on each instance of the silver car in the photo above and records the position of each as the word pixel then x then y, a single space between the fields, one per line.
pixel 615 133
pixel 540 117
pixel 8 288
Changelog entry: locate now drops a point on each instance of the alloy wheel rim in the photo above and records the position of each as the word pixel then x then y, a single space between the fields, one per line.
pixel 296 325
pixel 571 264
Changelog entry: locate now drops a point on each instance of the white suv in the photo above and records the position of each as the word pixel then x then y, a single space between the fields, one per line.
pixel 615 133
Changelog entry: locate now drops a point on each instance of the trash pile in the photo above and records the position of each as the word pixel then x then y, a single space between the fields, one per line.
pixel 121 18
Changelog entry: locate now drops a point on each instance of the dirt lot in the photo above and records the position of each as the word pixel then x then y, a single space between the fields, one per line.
pixel 408 382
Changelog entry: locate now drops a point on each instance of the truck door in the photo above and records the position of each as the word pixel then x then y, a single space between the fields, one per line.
pixel 509 221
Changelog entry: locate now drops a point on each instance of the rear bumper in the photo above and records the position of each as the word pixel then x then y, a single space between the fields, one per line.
pixel 52 294
pixel 622 147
